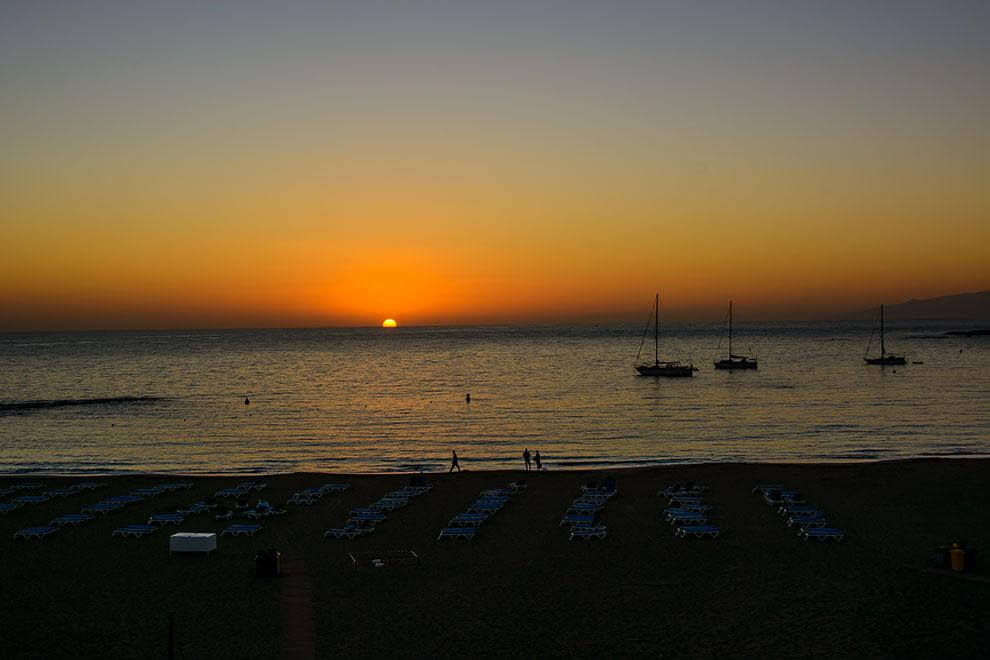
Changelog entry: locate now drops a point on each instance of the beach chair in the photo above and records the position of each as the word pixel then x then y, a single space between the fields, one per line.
pixel 372 518
pixel 762 489
pixel 166 519
pixel 303 497
pixel 34 532
pixel 588 532
pixel 798 519
pixel 334 487
pixel 135 531
pixel 387 504
pixel 583 508
pixel 125 499
pixel 687 488
pixel 803 525
pixel 697 531
pixel 578 520
pixel 7 507
pixel 823 534
pixel 468 519
pixel 485 507
pixel 102 507
pixel 60 492
pixel 27 485
pixel 687 518
pixel 347 532
pixel 241 530
pixel 228 492
pixel 791 509
pixel 150 491
pixel 457 533
pixel 71 519
pixel 31 499
pixel 685 501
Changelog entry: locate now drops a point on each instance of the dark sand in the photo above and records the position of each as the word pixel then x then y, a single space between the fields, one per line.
pixel 520 587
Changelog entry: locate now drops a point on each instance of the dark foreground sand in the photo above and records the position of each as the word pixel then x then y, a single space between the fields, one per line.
pixel 520 587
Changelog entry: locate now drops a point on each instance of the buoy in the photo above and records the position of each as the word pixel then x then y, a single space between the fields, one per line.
pixel 247 401
pixel 468 397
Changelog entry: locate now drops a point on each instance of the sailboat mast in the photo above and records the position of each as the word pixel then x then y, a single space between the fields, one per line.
pixel 730 329
pixel 656 333
pixel 883 349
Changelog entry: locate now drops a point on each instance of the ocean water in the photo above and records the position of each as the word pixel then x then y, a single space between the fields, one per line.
pixel 394 400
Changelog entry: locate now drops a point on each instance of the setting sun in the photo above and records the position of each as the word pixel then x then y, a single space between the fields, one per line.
pixel 389 323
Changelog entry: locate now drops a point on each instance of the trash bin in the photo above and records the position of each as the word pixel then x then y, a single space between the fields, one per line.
pixel 957 557
pixel 268 563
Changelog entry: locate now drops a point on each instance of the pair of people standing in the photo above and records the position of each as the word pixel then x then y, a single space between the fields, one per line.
pixel 527 457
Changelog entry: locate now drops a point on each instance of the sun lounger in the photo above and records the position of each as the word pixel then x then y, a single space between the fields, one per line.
pixel 588 532
pixel 797 519
pixel 334 487
pixel 577 520
pixel 687 489
pixel 6 507
pixel 166 519
pixel 6 491
pixel 176 485
pixel 134 530
pixel 373 518
pixel 468 519
pixel 686 501
pixel 583 508
pixel 803 525
pixel 34 532
pixel 151 491
pixel 823 533
pixel 497 492
pixel 241 530
pixel 686 517
pixel 226 514
pixel 791 509
pixel 196 507
pixel 31 499
pixel 457 533
pixel 362 510
pixel 125 499
pixel 71 519
pixel 102 507
pixel 485 507
pixel 347 532
pixel 60 492
pixel 228 492
pixel 763 489
pixel 386 504
pixel 252 485
pixel 27 485
pixel 697 531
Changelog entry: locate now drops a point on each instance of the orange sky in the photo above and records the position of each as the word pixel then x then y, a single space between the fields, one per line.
pixel 476 174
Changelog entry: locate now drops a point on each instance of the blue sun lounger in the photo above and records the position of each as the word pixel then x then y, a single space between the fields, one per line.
pixel 365 510
pixel 687 517
pixel 791 509
pixel 28 485
pixel 6 507
pixel 457 533
pixel 71 519
pixel 485 507
pixel 496 492
pixel 697 531
pixel 176 485
pixel 150 491
pixel 195 507
pixel 125 499
pixel 241 530
pixel 823 533
pixel 334 487
pixel 31 499
pixel 373 518
pixel 588 532
pixel 102 507
pixel 166 519
pixel 388 504
pixel 60 492
pixel 468 519
pixel 798 519
pixel 135 531
pixel 348 532
pixel 34 532
pixel 577 520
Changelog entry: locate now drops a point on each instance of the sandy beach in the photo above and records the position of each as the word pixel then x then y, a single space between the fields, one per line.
pixel 519 587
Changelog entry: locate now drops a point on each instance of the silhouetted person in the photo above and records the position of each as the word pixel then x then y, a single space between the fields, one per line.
pixel 526 458
pixel 468 397
pixel 536 457
pixel 453 462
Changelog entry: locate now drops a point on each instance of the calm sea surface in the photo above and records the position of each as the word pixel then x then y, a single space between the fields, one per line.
pixel 377 400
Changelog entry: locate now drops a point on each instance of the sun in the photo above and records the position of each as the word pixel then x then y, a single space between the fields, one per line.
pixel 389 323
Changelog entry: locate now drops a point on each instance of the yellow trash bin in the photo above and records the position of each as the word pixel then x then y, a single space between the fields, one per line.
pixel 957 557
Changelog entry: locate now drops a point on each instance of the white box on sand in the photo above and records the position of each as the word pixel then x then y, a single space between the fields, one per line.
pixel 192 542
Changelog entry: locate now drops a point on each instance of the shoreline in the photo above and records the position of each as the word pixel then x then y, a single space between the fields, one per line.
pixel 569 470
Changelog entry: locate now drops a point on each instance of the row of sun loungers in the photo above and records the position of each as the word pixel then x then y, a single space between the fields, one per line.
pixel 312 495
pixel 89 512
pixel 582 513
pixel 243 488
pixel 362 521
pixel 487 504
pixel 27 500
pixel 687 510
pixel 809 520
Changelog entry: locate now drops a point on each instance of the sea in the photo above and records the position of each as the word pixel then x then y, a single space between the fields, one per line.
pixel 377 400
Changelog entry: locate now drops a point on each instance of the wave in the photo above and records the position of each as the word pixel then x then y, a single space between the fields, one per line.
pixel 14 407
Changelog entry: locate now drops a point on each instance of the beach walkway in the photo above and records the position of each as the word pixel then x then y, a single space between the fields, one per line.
pixel 298 632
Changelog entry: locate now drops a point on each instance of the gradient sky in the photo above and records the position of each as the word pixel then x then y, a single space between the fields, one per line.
pixel 190 164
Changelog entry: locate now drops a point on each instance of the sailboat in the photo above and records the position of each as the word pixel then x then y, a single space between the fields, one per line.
pixel 734 361
pixel 658 368
pixel 885 357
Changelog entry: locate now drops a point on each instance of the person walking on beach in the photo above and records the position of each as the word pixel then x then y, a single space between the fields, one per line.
pixel 537 459
pixel 526 458
pixel 453 462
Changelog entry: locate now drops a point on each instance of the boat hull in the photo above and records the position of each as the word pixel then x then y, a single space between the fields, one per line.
pixel 666 370
pixel 745 363
pixel 888 359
